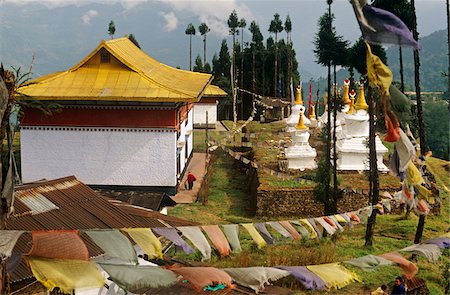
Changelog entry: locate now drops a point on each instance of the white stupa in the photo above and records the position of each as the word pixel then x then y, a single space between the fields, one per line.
pixel 352 148
pixel 301 155
pixel 297 109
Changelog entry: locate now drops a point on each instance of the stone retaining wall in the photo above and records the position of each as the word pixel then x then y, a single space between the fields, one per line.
pixel 292 202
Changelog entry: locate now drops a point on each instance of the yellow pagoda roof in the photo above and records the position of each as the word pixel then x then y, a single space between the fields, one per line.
pixel 117 70
pixel 214 91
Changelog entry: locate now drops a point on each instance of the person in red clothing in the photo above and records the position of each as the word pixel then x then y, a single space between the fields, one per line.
pixel 190 179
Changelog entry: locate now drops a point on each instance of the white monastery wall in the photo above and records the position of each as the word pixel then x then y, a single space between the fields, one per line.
pixel 200 110
pixel 100 157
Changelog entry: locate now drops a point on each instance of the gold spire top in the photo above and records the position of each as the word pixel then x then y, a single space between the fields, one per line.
pixel 325 100
pixel 313 112
pixel 361 102
pixel 351 110
pixel 298 95
pixel 345 98
pixel 301 123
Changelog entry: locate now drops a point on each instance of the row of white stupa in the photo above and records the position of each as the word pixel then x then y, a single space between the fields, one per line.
pixel 352 133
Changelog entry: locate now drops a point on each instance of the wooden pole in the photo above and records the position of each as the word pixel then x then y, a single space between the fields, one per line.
pixel 205 178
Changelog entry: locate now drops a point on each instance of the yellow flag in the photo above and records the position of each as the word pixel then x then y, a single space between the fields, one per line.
pixel 310 228
pixel 334 275
pixel 147 240
pixel 378 73
pixel 413 174
pixel 254 234
pixel 66 274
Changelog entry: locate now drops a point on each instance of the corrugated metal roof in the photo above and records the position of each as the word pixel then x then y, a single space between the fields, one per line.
pixel 75 206
pixel 130 75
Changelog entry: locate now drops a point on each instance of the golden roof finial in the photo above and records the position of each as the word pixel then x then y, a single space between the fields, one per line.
pixel 361 102
pixel 301 123
pixel 351 110
pixel 313 112
pixel 325 100
pixel 298 95
pixel 345 98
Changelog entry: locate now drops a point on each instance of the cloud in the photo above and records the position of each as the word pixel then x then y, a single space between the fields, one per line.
pixel 214 13
pixel 127 4
pixel 88 16
pixel 171 21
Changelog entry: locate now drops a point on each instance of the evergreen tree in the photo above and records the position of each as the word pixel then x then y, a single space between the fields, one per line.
pixel 198 66
pixel 204 29
pixel 111 29
pixel 190 30
pixel 276 26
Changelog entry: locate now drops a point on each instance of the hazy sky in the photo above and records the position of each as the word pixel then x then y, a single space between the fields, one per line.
pixel 174 15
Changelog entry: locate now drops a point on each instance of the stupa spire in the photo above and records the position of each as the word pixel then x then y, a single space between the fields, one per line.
pixel 352 102
pixel 298 95
pixel 361 103
pixel 345 98
pixel 313 112
pixel 301 123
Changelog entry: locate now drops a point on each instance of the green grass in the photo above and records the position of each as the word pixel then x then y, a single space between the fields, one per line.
pixel 228 203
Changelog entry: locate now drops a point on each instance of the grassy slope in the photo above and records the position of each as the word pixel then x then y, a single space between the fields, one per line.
pixel 227 203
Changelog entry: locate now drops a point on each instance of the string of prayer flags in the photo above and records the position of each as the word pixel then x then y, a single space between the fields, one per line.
pixel 172 235
pixel 135 277
pixel 61 244
pixel 409 268
pixel 147 240
pixel 336 222
pixel 368 262
pixel 280 229
pixel 261 227
pixel 115 244
pixel 202 277
pixel 198 239
pixel 254 234
pixel 255 277
pixel 8 241
pixel 294 233
pixel 309 280
pixel 218 239
pixel 381 27
pixel 66 274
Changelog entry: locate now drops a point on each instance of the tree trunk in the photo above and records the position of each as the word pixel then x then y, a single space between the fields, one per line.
pixel 328 147
pixel 448 44
pixel 402 81
pixel 335 184
pixel 190 52
pixel 276 67
pixel 242 74
pixel 204 51
pixel 373 173
pixel 421 224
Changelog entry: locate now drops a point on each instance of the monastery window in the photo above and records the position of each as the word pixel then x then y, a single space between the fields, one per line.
pixel 105 57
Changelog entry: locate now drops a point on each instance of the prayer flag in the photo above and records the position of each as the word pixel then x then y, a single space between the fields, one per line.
pixel 334 275
pixel 255 277
pixel 378 73
pixel 8 241
pixel 413 175
pixel 310 228
pixel 195 235
pixel 280 229
pixel 310 280
pixel 218 239
pixel 294 233
pixel 368 262
pixel 172 235
pixel 132 278
pixel 231 231
pixel 147 240
pixel 114 244
pixel 201 277
pixel 382 27
pixel 328 228
pixel 61 244
pixel 430 251
pixel 261 227
pixel 254 234
pixel 409 268
pixel 66 274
